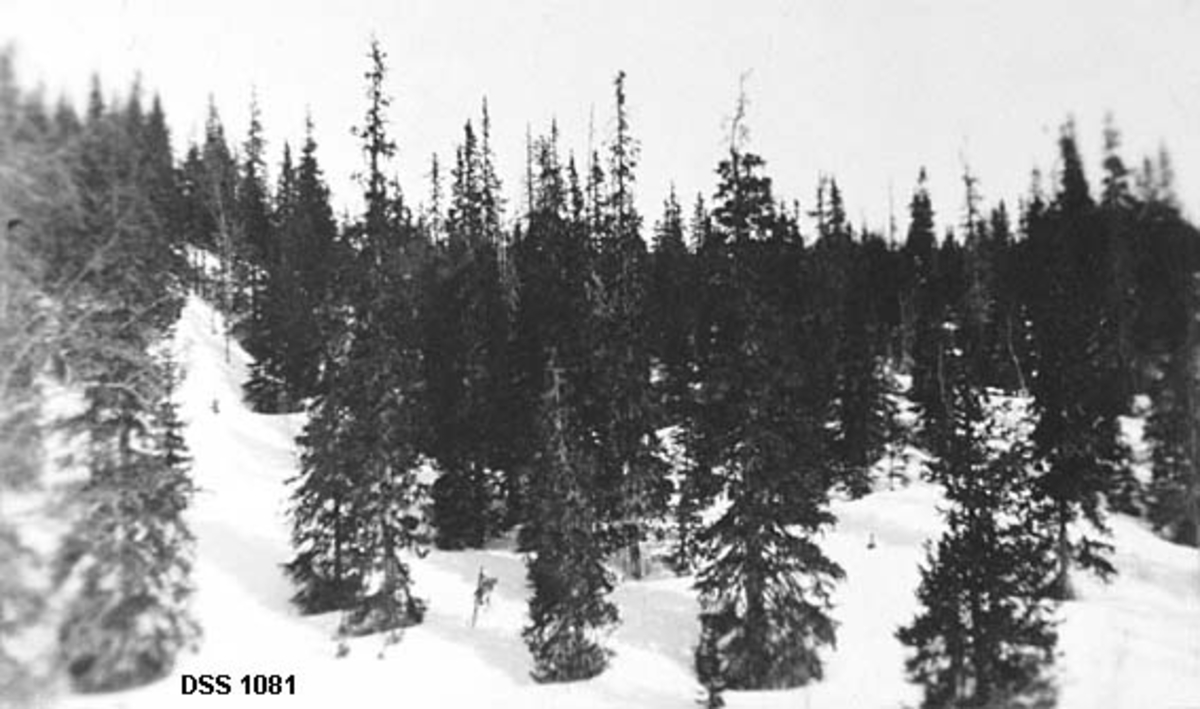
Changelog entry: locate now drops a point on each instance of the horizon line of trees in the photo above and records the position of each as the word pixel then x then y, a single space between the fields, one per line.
pixel 538 367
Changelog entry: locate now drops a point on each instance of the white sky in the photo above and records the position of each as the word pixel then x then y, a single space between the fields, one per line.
pixel 868 91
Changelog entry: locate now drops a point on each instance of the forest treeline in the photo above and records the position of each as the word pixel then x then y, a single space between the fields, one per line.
pixel 541 353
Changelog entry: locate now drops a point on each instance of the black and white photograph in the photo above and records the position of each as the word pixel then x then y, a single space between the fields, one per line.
pixel 583 354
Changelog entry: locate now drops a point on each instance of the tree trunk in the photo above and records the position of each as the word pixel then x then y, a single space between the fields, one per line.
pixel 1012 353
pixel 635 556
pixel 1062 590
pixel 338 573
pixel 756 619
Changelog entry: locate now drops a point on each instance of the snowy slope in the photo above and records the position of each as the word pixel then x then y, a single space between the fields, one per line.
pixel 1135 643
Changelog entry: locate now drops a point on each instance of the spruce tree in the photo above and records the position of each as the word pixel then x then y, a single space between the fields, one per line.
pixel 1117 215
pixel 294 284
pixel 1013 339
pixel 764 583
pixel 634 488
pixel 466 336
pixel 258 243
pixel 253 200
pixel 670 296
pixel 358 504
pixel 552 262
pixel 977 305
pixel 277 303
pixel 46 293
pixel 327 567
pixel 1117 205
pixel 1174 429
pixel 195 222
pixel 984 637
pixel 131 548
pixel 845 302
pixel 315 258
pixel 671 322
pixel 158 168
pixel 865 413
pixel 1150 253
pixel 218 178
pixel 698 486
pixel 568 609
pixel 489 182
pixel 926 311
pixel 1076 363
pixel 384 384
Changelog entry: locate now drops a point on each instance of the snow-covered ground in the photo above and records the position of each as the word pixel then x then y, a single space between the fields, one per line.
pixel 1133 643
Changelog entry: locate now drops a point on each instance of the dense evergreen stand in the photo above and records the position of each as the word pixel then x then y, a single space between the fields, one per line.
pixel 530 363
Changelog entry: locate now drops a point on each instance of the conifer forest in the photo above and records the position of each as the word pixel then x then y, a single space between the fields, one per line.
pixel 511 416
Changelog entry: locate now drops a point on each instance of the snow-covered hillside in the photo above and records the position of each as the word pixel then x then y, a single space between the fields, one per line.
pixel 1133 643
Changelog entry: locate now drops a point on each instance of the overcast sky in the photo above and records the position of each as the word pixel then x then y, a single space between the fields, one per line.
pixel 867 91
